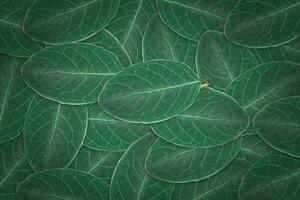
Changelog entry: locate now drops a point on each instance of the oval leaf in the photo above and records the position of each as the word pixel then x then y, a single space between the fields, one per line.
pixel 274 176
pixel 63 184
pixel 192 18
pixel 169 45
pixel 130 179
pixel 70 73
pixel 130 23
pixel 57 22
pixel 151 91
pixel 109 42
pixel 267 23
pixel 53 133
pixel 98 163
pixel 175 164
pixel 12 39
pixel 213 119
pixel 278 124
pixel 14 98
pixel 107 133
pixel 14 167
pixel 264 84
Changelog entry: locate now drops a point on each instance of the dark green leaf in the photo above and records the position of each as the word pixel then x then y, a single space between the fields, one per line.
pixel 130 23
pixel 151 91
pixel 213 119
pixel 14 98
pixel 53 133
pixel 12 39
pixel 63 184
pixel 109 42
pixel 263 23
pixel 278 124
pixel 98 163
pixel 176 164
pixel 14 167
pixel 160 41
pixel 274 176
pixel 191 18
pixel 107 133
pixel 56 22
pixel 70 73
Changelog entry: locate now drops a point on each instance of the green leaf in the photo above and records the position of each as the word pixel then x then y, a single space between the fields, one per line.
pixel 191 18
pixel 12 39
pixel 151 91
pixel 160 41
pixel 14 167
pixel 63 184
pixel 220 61
pixel 274 176
pixel 253 148
pixel 70 73
pixel 224 185
pixel 213 119
pixel 107 133
pixel 175 164
pixel 57 22
pixel 14 98
pixel 109 42
pixel 278 123
pixel 266 23
pixel 263 84
pixel 130 23
pixel 130 180
pixel 98 163
pixel 53 133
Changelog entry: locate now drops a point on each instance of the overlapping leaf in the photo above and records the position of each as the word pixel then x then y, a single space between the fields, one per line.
pixel 263 23
pixel 53 133
pixel 130 23
pixel 107 133
pixel 150 91
pixel 14 98
pixel 191 18
pixel 57 22
pixel 274 176
pixel 63 184
pixel 278 124
pixel 14 167
pixel 213 119
pixel 70 73
pixel 169 45
pixel 172 163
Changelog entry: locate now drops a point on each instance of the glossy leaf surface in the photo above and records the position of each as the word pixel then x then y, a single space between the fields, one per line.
pixel 191 18
pixel 107 133
pixel 98 163
pixel 274 176
pixel 150 91
pixel 70 73
pixel 109 42
pixel 263 23
pixel 169 45
pixel 130 23
pixel 213 119
pixel 56 22
pixel 176 164
pixel 14 98
pixel 278 124
pixel 14 167
pixel 12 39
pixel 53 133
pixel 63 184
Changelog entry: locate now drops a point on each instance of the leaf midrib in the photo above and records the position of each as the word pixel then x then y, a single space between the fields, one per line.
pixel 6 93
pixel 10 23
pixel 84 73
pixel 160 89
pixel 18 163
